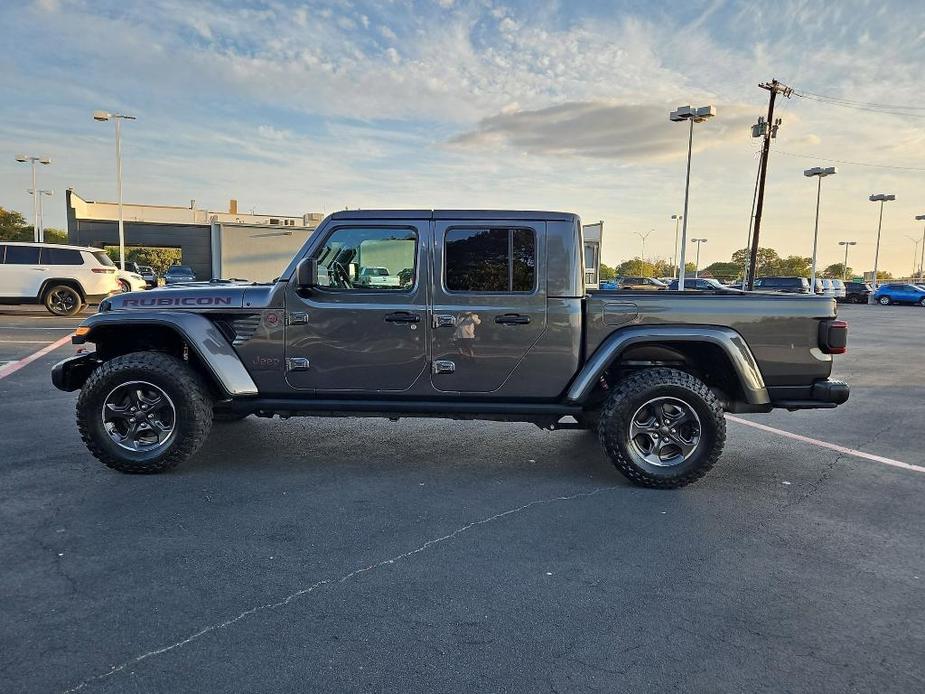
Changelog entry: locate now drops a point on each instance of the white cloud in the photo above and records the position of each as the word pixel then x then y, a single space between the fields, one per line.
pixel 268 132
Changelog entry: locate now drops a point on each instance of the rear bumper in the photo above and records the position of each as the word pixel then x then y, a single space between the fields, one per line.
pixel 71 373
pixel 824 393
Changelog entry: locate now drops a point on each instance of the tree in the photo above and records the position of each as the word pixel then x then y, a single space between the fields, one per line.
pixel 725 270
pixel 13 227
pixel 767 258
pixel 637 267
pixel 607 272
pixel 884 275
pixel 793 265
pixel 157 257
pixel 837 271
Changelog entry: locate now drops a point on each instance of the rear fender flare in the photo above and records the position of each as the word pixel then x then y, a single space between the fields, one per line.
pixel 727 339
pixel 197 331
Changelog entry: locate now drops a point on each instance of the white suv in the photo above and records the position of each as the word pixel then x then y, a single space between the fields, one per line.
pixel 63 278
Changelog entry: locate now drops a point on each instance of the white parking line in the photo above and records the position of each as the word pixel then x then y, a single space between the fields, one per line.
pixel 825 444
pixel 15 366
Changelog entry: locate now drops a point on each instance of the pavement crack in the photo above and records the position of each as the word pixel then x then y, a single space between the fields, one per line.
pixel 332 581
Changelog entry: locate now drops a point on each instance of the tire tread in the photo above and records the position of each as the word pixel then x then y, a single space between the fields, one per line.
pixel 652 378
pixel 197 409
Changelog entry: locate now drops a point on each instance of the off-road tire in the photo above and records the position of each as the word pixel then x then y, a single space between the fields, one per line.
pixel 628 396
pixel 52 300
pixel 189 394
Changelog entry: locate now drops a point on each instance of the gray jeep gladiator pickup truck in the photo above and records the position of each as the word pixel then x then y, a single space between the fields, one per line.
pixel 469 315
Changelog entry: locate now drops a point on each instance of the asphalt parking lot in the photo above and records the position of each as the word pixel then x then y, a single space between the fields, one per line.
pixel 364 555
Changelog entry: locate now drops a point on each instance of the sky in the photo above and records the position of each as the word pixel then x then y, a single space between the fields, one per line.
pixel 562 105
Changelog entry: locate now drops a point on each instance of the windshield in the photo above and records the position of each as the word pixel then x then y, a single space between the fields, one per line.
pixel 180 270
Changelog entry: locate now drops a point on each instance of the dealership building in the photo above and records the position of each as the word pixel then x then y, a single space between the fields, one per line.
pixel 214 244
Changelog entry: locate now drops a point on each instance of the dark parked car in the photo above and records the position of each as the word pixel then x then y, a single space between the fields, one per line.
pixel 177 274
pixel 899 293
pixel 784 285
pixel 700 284
pixel 856 293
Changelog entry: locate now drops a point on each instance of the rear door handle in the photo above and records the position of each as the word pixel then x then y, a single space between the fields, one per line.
pixel 512 319
pixel 402 317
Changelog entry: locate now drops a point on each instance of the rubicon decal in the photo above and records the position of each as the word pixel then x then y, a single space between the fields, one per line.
pixel 178 301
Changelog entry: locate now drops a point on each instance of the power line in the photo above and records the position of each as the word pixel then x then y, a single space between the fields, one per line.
pixel 903 114
pixel 853 163
pixel 808 94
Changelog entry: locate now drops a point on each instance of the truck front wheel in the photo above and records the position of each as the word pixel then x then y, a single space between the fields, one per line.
pixel 144 412
pixel 662 428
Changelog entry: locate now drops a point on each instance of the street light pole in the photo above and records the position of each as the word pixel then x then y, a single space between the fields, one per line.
pixel 674 258
pixel 103 116
pixel 921 218
pixel 40 237
pixel 694 115
pixel 22 158
pixel 844 267
pixel 881 198
pixel 915 240
pixel 697 262
pixel 819 173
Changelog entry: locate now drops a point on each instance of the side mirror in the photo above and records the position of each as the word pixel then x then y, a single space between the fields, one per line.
pixel 306 273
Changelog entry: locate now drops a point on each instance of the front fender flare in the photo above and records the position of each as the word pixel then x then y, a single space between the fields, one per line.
pixel 199 333
pixel 727 339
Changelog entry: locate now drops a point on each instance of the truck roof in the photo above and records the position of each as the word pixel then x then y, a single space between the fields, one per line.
pixel 532 215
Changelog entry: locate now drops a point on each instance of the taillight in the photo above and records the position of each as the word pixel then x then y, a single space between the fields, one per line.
pixel 103 270
pixel 833 336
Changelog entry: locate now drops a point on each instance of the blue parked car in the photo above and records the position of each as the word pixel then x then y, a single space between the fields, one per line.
pixel 899 293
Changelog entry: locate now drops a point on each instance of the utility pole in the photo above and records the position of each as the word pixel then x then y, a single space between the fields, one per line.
pixel 644 237
pixel 770 131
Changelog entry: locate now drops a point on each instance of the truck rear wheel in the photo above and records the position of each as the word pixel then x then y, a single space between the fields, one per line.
pixel 662 428
pixel 144 412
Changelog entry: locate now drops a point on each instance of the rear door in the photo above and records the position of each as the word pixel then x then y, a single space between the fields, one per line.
pixel 489 301
pixel 352 336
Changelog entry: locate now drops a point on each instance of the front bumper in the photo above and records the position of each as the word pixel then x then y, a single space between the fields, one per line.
pixel 70 374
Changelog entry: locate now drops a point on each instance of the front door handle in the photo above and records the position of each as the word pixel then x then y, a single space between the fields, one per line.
pixel 402 317
pixel 512 319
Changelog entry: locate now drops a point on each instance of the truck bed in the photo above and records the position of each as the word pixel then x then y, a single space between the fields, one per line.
pixel 781 329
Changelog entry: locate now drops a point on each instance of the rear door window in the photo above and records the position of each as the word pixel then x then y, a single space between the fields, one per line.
pixel 61 256
pixel 490 260
pixel 103 258
pixel 22 255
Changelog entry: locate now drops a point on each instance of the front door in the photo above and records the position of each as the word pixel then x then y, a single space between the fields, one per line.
pixel 489 301
pixel 364 329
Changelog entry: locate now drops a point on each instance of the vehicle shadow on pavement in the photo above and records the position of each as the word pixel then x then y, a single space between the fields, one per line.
pixel 420 445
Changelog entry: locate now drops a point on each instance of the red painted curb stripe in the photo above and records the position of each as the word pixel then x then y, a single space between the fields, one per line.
pixel 25 361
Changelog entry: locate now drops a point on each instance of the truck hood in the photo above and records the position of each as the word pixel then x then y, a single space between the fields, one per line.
pixel 221 296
